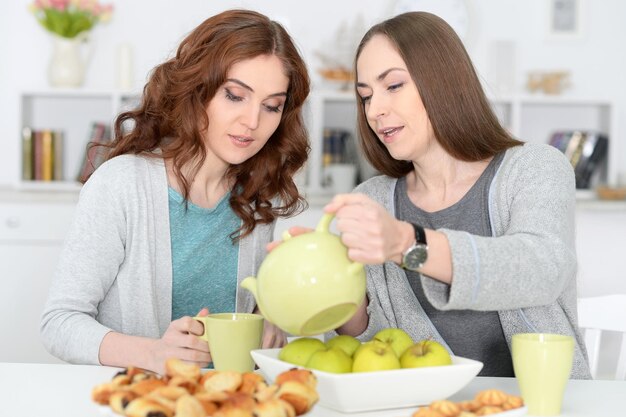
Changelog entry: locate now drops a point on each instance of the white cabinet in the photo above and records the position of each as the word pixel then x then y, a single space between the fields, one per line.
pixel 32 229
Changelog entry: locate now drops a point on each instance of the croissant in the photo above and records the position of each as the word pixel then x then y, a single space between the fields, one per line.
pixel 185 392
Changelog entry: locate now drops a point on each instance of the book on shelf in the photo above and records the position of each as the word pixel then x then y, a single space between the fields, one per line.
pixel 95 154
pixel 27 154
pixel 42 155
pixel 337 146
pixel 586 151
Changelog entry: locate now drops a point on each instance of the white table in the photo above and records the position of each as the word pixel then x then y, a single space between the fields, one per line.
pixel 51 390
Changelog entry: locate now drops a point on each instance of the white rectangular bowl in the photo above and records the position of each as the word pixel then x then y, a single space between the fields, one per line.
pixel 368 391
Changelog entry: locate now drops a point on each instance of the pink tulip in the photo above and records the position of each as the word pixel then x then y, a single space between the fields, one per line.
pixel 41 4
pixel 59 4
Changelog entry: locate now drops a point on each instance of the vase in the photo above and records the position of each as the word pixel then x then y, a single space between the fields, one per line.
pixel 68 61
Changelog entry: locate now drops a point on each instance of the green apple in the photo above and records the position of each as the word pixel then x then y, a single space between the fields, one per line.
pixel 397 338
pixel 298 351
pixel 425 353
pixel 333 360
pixel 345 342
pixel 374 356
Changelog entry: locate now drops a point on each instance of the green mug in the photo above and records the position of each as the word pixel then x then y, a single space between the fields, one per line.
pixel 542 363
pixel 231 337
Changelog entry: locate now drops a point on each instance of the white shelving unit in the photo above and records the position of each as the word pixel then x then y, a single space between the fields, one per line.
pixel 530 118
pixel 72 112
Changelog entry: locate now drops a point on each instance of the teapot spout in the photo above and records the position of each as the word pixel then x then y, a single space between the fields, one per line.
pixel 250 285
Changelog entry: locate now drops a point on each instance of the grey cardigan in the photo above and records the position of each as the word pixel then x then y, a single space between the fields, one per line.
pixel 526 271
pixel 115 269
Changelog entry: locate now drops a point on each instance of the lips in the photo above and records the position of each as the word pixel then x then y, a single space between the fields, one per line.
pixel 241 141
pixel 388 133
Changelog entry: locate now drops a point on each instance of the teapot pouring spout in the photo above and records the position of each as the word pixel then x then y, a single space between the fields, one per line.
pixel 250 284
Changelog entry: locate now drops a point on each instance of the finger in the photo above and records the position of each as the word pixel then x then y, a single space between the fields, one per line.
pixel 195 343
pixel 268 340
pixel 280 340
pixel 188 324
pixel 203 313
pixel 341 200
pixel 193 356
pixel 299 230
pixel 272 245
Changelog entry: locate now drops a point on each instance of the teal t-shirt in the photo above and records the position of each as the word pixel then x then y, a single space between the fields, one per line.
pixel 204 258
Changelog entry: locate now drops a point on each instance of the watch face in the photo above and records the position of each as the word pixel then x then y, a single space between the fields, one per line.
pixel 415 257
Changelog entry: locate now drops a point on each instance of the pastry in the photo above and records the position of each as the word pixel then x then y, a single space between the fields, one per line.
pixel 488 410
pixel 189 406
pixel 120 399
pixel 176 367
pixel 446 408
pixel 491 397
pixel 186 392
pixel 274 407
pixel 223 381
pixel 145 407
pixel 427 412
pixel 301 396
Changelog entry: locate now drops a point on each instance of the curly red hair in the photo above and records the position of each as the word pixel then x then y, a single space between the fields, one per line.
pixel 172 114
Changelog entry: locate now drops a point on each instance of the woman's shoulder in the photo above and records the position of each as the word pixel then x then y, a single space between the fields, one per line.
pixel 536 159
pixel 535 153
pixel 124 170
pixel 534 163
pixel 124 165
pixel 379 188
pixel 375 184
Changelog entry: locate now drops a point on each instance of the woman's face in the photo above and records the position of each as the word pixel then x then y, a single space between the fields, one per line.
pixel 392 104
pixel 247 109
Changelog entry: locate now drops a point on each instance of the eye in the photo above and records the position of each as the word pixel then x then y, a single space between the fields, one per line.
pixel 231 96
pixel 365 99
pixel 273 109
pixel 394 87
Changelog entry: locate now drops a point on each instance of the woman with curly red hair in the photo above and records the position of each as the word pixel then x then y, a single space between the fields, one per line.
pixel 184 207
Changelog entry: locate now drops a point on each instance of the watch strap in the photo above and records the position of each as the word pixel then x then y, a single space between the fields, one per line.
pixel 420 234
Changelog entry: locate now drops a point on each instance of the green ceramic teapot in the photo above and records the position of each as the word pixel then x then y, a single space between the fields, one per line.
pixel 308 285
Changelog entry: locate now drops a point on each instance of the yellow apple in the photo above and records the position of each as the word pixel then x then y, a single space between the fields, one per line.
pixel 344 342
pixel 425 353
pixel 299 351
pixel 374 356
pixel 397 338
pixel 333 360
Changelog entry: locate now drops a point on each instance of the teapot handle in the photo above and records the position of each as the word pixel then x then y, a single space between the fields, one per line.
pixel 324 227
pixel 324 223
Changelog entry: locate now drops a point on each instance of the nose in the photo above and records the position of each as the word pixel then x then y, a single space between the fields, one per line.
pixel 376 107
pixel 250 117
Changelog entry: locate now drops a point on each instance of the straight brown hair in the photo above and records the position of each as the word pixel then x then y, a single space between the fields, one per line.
pixel 460 114
pixel 172 114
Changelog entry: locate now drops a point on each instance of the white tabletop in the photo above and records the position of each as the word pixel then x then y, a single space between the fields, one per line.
pixel 50 390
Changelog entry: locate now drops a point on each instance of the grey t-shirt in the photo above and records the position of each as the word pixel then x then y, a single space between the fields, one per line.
pixel 472 334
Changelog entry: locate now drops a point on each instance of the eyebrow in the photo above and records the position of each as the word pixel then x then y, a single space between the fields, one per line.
pixel 247 87
pixel 381 76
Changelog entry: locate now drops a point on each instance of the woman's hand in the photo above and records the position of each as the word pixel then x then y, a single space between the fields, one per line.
pixel 181 341
pixel 370 232
pixel 273 337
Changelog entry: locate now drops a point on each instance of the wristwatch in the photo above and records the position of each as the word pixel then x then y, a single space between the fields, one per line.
pixel 415 256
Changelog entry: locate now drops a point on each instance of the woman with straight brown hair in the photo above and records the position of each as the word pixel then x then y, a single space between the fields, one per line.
pixel 183 209
pixel 469 234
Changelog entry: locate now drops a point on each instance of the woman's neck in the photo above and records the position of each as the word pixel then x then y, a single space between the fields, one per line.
pixel 438 180
pixel 207 186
